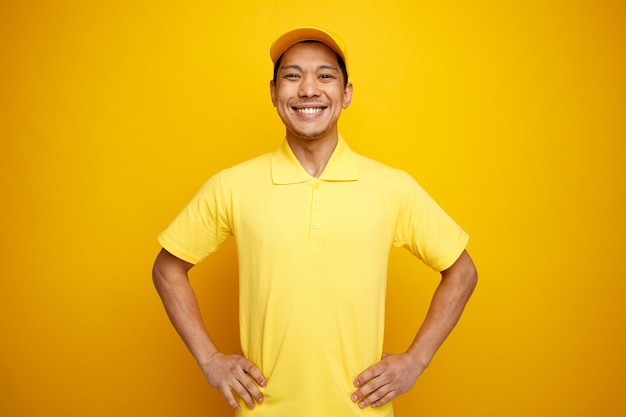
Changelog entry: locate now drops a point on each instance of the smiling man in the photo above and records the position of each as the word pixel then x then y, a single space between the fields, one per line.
pixel 314 223
pixel 309 92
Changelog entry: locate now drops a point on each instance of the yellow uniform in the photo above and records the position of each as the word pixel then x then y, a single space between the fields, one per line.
pixel 313 256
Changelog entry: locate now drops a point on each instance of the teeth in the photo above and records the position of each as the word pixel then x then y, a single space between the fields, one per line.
pixel 311 110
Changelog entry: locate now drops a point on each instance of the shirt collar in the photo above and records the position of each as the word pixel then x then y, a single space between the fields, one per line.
pixel 286 169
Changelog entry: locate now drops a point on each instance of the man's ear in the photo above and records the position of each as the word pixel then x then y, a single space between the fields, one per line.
pixel 347 95
pixel 273 92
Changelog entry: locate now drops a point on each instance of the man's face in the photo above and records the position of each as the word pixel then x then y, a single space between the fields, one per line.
pixel 309 93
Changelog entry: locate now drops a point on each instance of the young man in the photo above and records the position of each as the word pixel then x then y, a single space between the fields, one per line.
pixel 314 223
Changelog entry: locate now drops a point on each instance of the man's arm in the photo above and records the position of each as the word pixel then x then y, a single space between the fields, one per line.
pixel 396 374
pixel 224 372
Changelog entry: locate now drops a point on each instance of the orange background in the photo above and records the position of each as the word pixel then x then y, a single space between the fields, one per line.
pixel 511 114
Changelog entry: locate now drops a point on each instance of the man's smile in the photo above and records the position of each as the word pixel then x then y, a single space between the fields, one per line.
pixel 310 110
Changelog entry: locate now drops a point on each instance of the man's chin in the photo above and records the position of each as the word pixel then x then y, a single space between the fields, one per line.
pixel 310 135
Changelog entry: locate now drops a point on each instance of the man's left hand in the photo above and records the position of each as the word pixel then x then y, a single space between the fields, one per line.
pixel 391 377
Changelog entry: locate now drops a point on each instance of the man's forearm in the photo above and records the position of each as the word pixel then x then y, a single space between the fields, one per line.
pixel 396 374
pixel 172 283
pixel 447 305
pixel 227 373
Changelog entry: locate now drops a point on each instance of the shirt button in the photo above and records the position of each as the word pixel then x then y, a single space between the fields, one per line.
pixel 316 205
pixel 316 226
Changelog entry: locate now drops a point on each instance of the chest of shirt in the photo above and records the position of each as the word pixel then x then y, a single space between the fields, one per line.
pixel 316 213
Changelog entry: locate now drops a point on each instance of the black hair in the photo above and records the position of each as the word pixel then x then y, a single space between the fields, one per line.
pixel 342 65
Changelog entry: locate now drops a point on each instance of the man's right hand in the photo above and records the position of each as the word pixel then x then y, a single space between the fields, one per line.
pixel 228 373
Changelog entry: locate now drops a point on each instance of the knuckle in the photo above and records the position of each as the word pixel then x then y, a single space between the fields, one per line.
pixel 379 403
pixel 375 396
pixel 249 386
pixel 243 394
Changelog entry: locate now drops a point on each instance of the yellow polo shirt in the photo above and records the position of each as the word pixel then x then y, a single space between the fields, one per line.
pixel 313 256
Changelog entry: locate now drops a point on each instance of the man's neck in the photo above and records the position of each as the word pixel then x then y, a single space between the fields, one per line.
pixel 313 154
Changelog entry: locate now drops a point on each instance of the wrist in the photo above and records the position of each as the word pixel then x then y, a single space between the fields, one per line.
pixel 418 359
pixel 206 358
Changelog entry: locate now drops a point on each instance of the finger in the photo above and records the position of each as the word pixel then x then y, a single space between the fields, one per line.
pixel 383 400
pixel 251 369
pixel 370 373
pixel 244 394
pixel 375 392
pixel 249 390
pixel 367 391
pixel 230 398
pixel 256 374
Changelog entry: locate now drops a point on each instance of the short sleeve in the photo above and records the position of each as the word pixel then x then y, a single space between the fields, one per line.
pixel 426 230
pixel 202 226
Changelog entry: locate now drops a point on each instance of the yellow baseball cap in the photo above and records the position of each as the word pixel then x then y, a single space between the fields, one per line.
pixel 308 33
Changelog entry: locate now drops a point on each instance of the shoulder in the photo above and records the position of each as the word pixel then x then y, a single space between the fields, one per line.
pixel 373 170
pixel 247 170
pixel 234 177
pixel 395 183
pixel 261 161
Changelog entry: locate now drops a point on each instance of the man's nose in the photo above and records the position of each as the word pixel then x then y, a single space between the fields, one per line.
pixel 308 87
